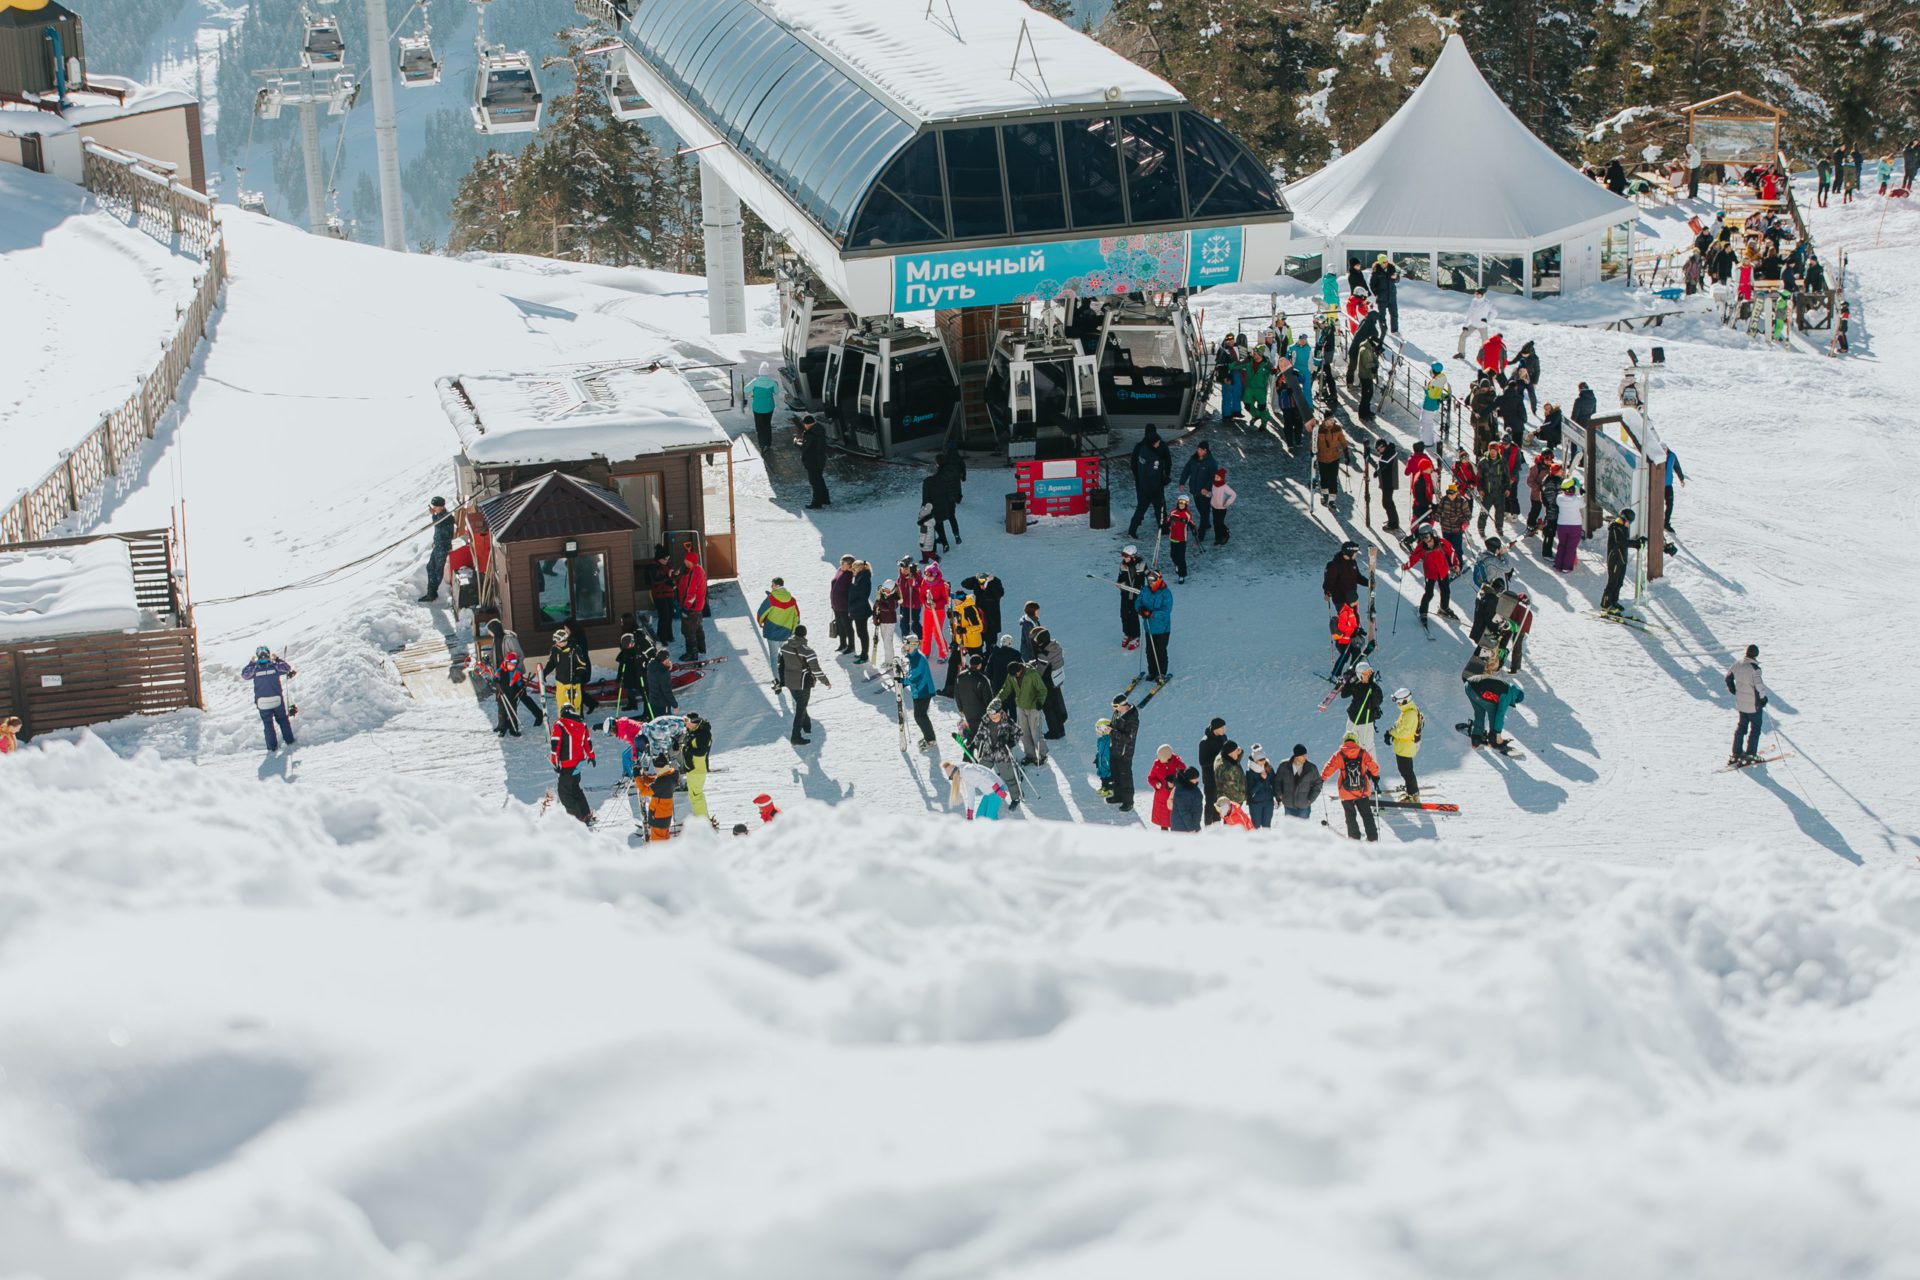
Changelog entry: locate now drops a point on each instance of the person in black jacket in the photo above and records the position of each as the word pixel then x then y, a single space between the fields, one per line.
pixel 1123 734
pixel 972 691
pixel 813 456
pixel 1152 468
pixel 1386 473
pixel 1552 429
pixel 660 699
pixel 988 591
pixel 1197 479
pixel 1342 581
pixel 442 521
pixel 999 658
pixel 1210 747
pixel 1364 702
pixel 1132 579
pixel 799 672
pixel 630 670
pixel 1620 540
pixel 1384 282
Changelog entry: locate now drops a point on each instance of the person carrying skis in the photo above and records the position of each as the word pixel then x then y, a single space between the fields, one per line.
pixel 919 690
pixel 976 791
pixel 760 401
pixel 1750 700
pixel 1349 638
pixel 1152 468
pixel 1435 396
pixel 268 672
pixel 1156 618
pixel 568 747
pixel 1620 540
pixel 1131 578
pixel 1262 787
pixel 1357 775
pixel 1180 526
pixel 1123 733
pixel 1167 766
pixel 1422 477
pixel 799 669
pixel 1404 738
pixel 441 520
pixel 1437 562
pixel 1364 704
pixel 1329 447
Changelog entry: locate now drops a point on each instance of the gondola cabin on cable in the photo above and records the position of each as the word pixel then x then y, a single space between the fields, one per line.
pixel 638 431
pixel 322 48
pixel 812 323
pixel 890 389
pixel 418 65
pixel 625 101
pixel 506 93
pixel 1153 366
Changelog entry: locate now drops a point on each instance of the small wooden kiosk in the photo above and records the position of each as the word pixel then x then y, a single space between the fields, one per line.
pixel 1734 129
pixel 557 551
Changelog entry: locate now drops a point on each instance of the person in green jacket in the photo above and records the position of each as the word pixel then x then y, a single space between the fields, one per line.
pixel 1258 375
pixel 1230 774
pixel 760 398
pixel 1404 737
pixel 1026 691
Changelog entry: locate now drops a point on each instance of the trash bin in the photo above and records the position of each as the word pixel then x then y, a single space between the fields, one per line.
pixel 1016 513
pixel 1099 509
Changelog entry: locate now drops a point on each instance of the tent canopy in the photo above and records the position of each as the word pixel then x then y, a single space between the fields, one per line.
pixel 1453 169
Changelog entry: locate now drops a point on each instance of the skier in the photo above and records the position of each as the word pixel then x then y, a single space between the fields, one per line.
pixel 1571 532
pixel 760 395
pixel 1262 787
pixel 1187 803
pixel 1364 704
pixel 799 671
pixel 1358 773
pixel 693 606
pixel 976 790
pixel 697 751
pixel 569 668
pixel 1493 565
pixel 1026 692
pixel 268 673
pixel 1156 616
pixel 1220 496
pixel 988 591
pixel 1404 738
pixel 1212 743
pixel 993 745
pixel 1131 578
pixel 1349 638
pixel 1386 474
pixel 813 456
pixel 1166 767
pixel 934 598
pixel 1478 319
pixel 442 521
pixel 1620 540
pixel 1329 447
pixel 569 747
pixel 1123 732
pixel 1299 784
pixel 507 644
pixel 1180 526
pixel 1437 562
pixel 1437 392
pixel 1750 700
pixel 1152 467
pixel 1422 477
pixel 1196 478
pixel 919 690
pixel 630 671
pixel 654 782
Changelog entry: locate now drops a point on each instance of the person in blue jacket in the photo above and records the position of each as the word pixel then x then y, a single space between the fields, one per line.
pixel 270 694
pixel 760 399
pixel 920 689
pixel 1156 618
pixel 1674 472
pixel 1187 801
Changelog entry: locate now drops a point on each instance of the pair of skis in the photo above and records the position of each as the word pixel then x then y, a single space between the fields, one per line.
pixel 1626 620
pixel 1510 753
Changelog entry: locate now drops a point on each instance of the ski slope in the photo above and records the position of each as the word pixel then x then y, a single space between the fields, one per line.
pixel 365 1010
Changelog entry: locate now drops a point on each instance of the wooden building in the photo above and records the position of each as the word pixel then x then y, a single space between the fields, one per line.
pixel 92 629
pixel 556 550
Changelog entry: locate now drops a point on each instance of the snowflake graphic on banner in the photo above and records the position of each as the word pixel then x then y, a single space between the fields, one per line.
pixel 1216 249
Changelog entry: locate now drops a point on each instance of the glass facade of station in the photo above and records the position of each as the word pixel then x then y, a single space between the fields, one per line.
pixel 874 180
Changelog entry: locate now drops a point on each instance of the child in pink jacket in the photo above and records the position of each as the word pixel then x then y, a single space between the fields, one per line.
pixel 1223 497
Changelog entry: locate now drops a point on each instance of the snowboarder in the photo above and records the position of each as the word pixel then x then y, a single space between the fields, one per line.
pixel 1479 318
pixel 1131 578
pixel 1358 773
pixel 813 456
pixel 1262 787
pixel 799 672
pixel 569 747
pixel 1156 616
pixel 1620 540
pixel 268 673
pixel 1364 704
pixel 1152 468
pixel 1437 562
pixel 1181 528
pixel 1750 700
pixel 1123 732
pixel 1404 738
pixel 760 400
pixel 442 521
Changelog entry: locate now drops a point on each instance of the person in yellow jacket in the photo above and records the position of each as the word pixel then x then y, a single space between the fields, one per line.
pixel 1404 737
pixel 967 628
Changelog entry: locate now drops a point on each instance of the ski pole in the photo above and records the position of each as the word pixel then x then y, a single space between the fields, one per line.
pixel 1397 596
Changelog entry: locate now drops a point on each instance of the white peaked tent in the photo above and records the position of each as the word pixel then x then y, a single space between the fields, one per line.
pixel 1459 192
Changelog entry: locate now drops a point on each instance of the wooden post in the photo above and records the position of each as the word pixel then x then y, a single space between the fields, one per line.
pixel 1656 520
pixel 1593 477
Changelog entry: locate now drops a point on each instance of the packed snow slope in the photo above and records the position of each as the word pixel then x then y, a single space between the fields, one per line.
pixel 89 303
pixel 367 1010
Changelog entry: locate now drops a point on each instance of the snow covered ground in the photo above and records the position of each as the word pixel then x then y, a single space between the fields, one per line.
pixel 364 1011
pixel 90 303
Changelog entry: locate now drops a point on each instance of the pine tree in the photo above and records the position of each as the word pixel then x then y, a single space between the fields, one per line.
pixel 483 212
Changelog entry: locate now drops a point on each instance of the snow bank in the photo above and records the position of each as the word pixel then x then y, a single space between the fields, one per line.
pixel 67 591
pixel 385 1035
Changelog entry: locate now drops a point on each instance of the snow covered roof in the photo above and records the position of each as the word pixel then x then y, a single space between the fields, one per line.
pixel 67 591
pixel 1453 169
pixel 612 411
pixel 947 64
pixel 85 108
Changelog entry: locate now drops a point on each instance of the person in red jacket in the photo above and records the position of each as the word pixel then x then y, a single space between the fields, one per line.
pixel 1438 562
pixel 1358 773
pixel 1465 473
pixel 1181 526
pixel 1166 767
pixel 570 746
pixel 1493 354
pixel 1421 480
pixel 1349 638
pixel 693 604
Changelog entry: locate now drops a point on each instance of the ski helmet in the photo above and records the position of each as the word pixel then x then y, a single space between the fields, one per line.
pixel 1360 291
pixel 1568 485
pixel 1626 513
pixel 1438 366
pixel 1402 694
pixel 1130 551
pixel 561 635
pixel 887 585
pixel 263 653
pixel 1348 548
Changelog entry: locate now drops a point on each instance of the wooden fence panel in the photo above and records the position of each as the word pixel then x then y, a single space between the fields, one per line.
pixel 82 680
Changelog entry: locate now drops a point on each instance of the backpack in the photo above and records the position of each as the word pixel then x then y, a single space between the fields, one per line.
pixel 1353 775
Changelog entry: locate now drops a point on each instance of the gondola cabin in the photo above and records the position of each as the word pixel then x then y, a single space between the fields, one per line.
pixel 1153 367
pixel 1043 395
pixel 636 430
pixel 890 389
pixel 506 93
pixel 322 48
pixel 418 65
pixel 812 323
pixel 624 100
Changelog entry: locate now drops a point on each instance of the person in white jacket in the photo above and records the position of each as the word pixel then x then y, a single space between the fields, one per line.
pixel 1480 315
pixel 1749 699
pixel 979 788
pixel 1220 498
